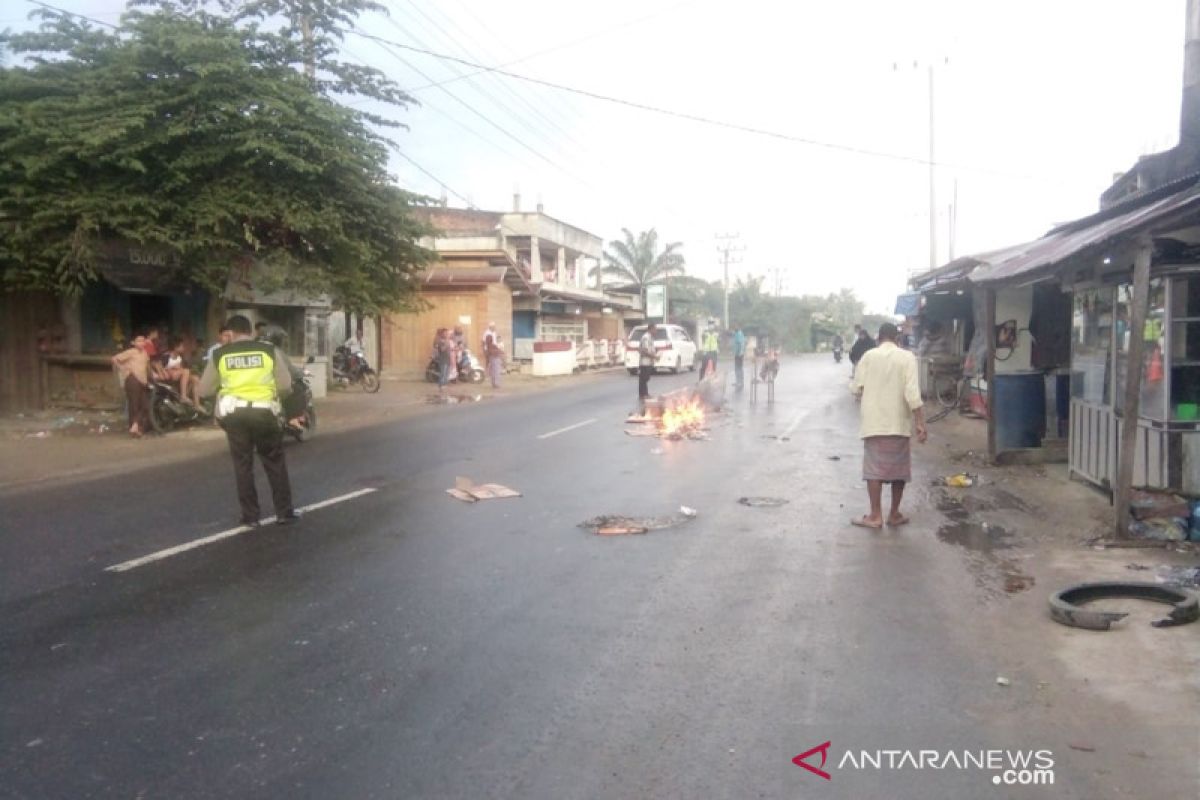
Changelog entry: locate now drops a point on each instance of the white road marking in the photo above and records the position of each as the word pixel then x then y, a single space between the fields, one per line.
pixel 216 537
pixel 568 428
pixel 795 422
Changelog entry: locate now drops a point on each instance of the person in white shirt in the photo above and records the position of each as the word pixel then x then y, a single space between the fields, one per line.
pixel 885 381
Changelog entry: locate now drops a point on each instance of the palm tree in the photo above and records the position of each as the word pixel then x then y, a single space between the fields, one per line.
pixel 636 260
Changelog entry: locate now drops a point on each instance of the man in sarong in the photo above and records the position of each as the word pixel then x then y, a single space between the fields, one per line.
pixel 885 382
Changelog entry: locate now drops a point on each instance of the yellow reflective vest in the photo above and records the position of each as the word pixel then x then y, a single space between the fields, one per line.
pixel 247 371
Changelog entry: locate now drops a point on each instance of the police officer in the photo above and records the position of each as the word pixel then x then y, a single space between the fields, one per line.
pixel 251 376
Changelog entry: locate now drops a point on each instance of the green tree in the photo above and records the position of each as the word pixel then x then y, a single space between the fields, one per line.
pixel 637 260
pixel 198 133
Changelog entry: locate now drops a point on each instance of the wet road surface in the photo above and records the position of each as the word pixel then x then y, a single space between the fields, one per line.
pixel 403 644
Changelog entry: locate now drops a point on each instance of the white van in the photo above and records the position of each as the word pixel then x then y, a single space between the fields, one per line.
pixel 676 350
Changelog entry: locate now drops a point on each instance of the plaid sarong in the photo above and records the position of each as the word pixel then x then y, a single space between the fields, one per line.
pixel 887 458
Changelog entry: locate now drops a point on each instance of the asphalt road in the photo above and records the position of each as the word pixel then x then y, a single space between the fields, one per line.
pixel 403 644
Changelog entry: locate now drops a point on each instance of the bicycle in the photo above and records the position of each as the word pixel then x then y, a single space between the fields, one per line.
pixel 951 389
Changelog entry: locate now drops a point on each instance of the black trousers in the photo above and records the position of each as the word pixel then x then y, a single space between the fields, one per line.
pixel 644 374
pixel 250 429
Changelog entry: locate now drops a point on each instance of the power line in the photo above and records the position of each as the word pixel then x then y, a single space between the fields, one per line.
pixel 505 85
pixel 504 108
pixel 557 47
pixel 73 14
pixel 462 102
pixel 435 178
pixel 696 117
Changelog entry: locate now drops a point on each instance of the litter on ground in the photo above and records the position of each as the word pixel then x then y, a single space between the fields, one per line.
pixel 619 524
pixel 469 492
pixel 765 502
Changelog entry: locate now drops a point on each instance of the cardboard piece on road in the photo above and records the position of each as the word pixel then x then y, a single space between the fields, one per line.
pixel 469 492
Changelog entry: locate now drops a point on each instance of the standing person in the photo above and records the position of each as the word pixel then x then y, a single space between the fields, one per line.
pixel 493 351
pixel 739 356
pixel 224 336
pixel 251 376
pixel 443 349
pixel 861 345
pixel 133 373
pixel 886 384
pixel 646 358
pixel 709 345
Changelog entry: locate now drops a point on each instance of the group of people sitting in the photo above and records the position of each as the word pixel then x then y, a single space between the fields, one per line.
pixel 148 359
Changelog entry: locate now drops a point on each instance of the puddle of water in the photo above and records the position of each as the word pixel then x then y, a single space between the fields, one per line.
pixel 981 537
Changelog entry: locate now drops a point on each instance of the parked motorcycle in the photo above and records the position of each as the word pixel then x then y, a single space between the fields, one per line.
pixel 350 367
pixel 299 413
pixel 470 369
pixel 168 408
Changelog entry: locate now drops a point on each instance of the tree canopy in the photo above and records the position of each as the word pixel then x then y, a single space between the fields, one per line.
pixel 637 261
pixel 201 134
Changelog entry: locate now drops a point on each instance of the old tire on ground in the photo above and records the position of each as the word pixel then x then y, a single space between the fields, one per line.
pixel 1066 605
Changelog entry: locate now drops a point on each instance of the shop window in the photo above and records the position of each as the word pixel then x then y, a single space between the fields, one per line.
pixel 1091 344
pixel 1152 402
pixel 316 335
pixel 1185 349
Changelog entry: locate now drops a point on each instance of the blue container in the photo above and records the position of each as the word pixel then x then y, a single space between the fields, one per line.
pixel 1020 409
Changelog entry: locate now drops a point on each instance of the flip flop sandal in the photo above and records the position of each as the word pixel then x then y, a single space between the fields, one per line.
pixel 861 522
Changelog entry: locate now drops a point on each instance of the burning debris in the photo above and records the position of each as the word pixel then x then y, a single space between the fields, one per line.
pixel 678 415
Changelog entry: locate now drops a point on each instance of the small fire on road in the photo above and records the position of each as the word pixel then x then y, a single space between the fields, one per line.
pixel 683 418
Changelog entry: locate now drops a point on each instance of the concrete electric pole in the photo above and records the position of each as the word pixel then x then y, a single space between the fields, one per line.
pixel 728 249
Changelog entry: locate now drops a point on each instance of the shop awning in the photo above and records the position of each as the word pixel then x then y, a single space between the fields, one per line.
pixel 1025 262
pixel 463 276
pixel 908 305
pixel 570 295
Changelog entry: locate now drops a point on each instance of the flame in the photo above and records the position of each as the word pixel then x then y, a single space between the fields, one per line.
pixel 682 417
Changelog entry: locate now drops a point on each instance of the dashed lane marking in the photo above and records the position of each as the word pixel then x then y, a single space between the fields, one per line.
pixel 216 537
pixel 568 428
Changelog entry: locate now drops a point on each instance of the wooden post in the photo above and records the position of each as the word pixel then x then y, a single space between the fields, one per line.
pixel 1133 386
pixel 989 367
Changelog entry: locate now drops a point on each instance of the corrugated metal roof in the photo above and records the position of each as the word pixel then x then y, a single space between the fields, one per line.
pixel 1024 261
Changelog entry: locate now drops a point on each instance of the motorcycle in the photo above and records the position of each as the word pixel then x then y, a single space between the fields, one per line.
pixel 837 355
pixel 470 369
pixel 299 413
pixel 350 366
pixel 168 408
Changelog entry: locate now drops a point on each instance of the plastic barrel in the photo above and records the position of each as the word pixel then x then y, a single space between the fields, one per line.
pixel 1020 409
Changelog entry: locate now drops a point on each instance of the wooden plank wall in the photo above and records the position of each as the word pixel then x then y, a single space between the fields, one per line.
pixel 22 316
pixel 408 338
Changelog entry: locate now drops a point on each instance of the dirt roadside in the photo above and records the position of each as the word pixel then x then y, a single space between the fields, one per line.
pixel 1020 534
pixel 63 445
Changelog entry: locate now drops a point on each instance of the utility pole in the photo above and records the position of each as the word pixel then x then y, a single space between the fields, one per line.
pixel 932 182
pixel 778 273
pixel 726 247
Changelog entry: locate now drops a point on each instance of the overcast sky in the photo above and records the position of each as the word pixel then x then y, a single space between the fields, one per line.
pixel 1038 104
